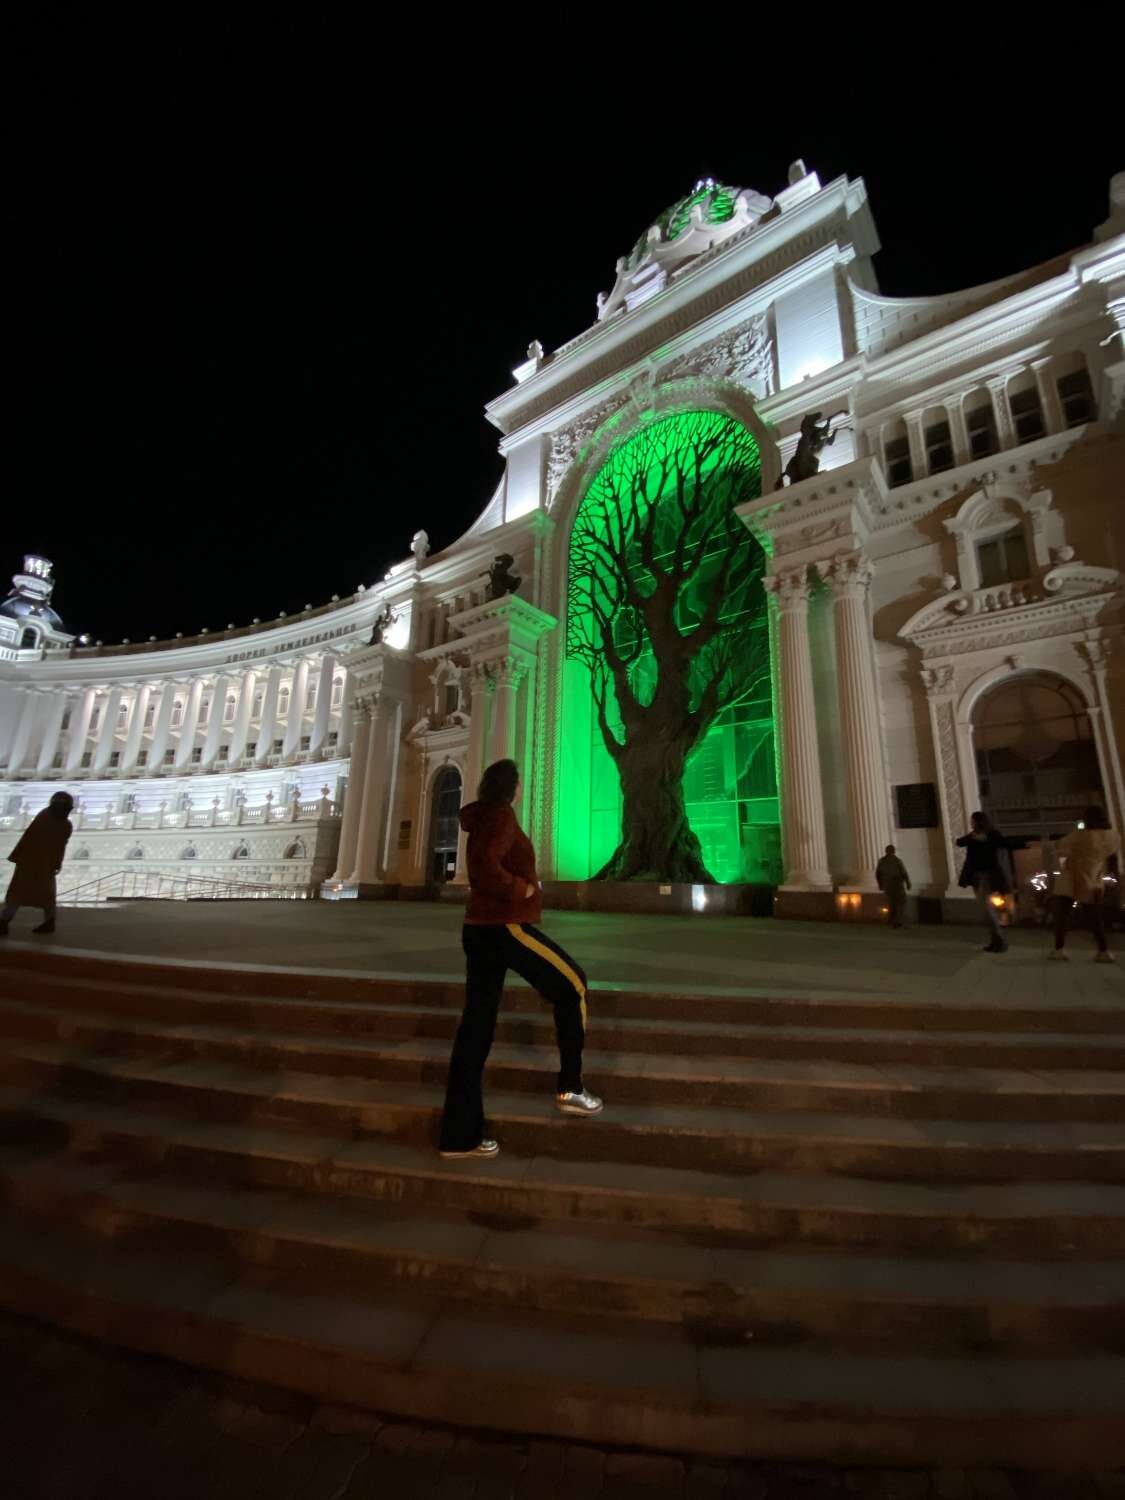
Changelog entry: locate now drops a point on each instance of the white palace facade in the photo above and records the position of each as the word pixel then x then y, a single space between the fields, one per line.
pixel 946 612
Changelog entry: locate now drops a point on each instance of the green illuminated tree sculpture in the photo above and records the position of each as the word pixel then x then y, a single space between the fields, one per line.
pixel 665 607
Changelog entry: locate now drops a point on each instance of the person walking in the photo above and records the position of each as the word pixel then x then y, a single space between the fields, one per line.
pixel 986 870
pixel 38 859
pixel 894 882
pixel 1087 855
pixel 499 934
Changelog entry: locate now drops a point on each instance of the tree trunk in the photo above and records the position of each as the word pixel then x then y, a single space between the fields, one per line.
pixel 657 842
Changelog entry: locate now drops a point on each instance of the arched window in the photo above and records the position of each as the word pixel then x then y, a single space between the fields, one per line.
pixel 337 691
pixel 980 424
pixel 241 852
pixel 29 640
pixel 937 439
pixel 188 852
pixel 296 850
pixel 150 715
pixel 896 454
pixel 1076 394
pixel 283 702
pixel 136 852
pixel 177 713
pixel 1026 408
pixel 82 853
pixel 228 714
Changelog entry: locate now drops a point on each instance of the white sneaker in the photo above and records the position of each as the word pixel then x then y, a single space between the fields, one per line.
pixel 583 1103
pixel 1106 958
pixel 1060 955
pixel 486 1148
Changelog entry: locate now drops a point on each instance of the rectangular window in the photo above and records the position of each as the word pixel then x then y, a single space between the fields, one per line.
pixel 65 725
pixel 306 741
pixel 205 710
pixel 981 424
pixel 1003 559
pixel 939 447
pixel 1027 414
pixel 169 757
pixel 87 759
pixel 251 749
pixel 278 747
pixel 916 805
pixel 899 468
pixel 115 759
pixel 1077 397
pixel 333 737
pixel 197 755
pixel 142 758
pixel 224 752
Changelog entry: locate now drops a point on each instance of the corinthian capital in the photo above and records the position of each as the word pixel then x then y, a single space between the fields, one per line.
pixel 790 587
pixel 848 574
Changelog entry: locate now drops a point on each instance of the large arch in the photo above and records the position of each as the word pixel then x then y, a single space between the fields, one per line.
pixel 730 782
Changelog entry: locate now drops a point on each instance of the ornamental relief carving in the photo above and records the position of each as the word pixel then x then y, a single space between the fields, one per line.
pixel 572 442
pixel 945 715
pixel 743 354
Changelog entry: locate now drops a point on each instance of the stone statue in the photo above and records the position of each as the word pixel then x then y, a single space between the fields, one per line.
pixel 500 580
pixel 815 436
pixel 381 624
pixel 420 546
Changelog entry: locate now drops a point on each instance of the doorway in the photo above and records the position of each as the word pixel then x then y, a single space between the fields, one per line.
pixel 445 827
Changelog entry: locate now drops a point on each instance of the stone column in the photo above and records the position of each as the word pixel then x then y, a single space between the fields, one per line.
pixel 24 726
pixel 1053 418
pixel 215 719
pixel 918 465
pixel 849 576
pixel 242 716
pixel 1001 414
pixel 187 729
pixel 162 728
pixel 323 702
pixel 268 726
pixel 958 432
pixel 107 731
pixel 353 798
pixel 345 728
pixel 802 806
pixel 79 729
pixel 508 676
pixel 136 727
pixel 51 734
pixel 297 699
pixel 481 684
pixel 940 684
pixel 374 787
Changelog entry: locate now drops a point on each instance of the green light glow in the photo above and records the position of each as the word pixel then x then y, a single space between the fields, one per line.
pixel 717 203
pixel 730 780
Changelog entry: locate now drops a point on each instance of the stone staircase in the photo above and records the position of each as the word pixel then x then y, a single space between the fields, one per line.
pixel 853 1230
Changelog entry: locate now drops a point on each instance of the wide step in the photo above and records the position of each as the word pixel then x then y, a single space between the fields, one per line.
pixel 639 1384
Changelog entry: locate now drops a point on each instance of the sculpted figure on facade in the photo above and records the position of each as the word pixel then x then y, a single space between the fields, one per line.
pixel 501 579
pixel 815 437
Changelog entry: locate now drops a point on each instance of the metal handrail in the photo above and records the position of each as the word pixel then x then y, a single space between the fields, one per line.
pixel 156 885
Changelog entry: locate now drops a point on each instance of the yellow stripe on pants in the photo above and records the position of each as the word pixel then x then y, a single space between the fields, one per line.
pixel 535 946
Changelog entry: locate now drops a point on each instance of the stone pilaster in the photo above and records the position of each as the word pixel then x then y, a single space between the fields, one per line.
pixel 802 798
pixel 189 725
pixel 241 732
pixel 136 727
pixel 297 698
pixel 162 728
pixel 80 729
pixel 107 730
pixel 323 711
pixel 53 731
pixel 353 797
pixel 849 577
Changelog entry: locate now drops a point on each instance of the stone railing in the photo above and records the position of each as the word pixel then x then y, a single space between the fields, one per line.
pixel 296 811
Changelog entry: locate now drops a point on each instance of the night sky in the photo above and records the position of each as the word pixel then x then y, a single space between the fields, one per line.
pixel 252 328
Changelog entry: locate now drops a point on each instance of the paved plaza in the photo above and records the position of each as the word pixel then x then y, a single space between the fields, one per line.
pixel 688 954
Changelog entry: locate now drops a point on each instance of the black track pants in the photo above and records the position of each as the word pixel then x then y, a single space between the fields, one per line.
pixel 490 952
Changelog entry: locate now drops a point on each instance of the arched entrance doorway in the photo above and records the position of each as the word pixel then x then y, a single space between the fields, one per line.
pixel 1037 760
pixel 444 824
pixel 666 764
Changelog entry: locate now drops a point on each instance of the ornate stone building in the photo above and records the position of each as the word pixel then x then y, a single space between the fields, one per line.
pixel 942 601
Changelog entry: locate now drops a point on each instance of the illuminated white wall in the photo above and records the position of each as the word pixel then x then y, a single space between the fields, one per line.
pixel 808 330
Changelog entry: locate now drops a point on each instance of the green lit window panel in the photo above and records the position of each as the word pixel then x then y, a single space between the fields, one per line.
pixel 656 532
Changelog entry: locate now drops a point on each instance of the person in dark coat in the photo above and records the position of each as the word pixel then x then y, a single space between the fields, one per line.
pixel 894 882
pixel 38 859
pixel 500 934
pixel 986 870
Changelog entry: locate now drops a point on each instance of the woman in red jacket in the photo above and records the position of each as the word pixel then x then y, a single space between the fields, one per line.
pixel 498 935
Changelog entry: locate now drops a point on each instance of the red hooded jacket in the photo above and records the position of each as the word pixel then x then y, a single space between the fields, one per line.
pixel 501 862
